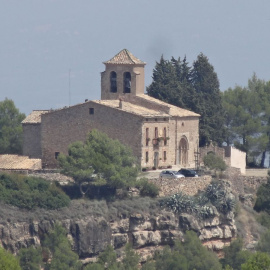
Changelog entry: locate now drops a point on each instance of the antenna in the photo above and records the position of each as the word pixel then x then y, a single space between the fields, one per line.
pixel 69 86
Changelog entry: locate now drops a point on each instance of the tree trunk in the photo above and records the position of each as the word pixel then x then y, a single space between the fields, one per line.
pixel 263 159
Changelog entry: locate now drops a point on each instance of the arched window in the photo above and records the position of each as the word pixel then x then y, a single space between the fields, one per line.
pixel 113 80
pixel 183 151
pixel 127 82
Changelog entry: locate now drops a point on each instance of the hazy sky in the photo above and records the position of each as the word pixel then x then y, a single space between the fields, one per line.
pixel 41 40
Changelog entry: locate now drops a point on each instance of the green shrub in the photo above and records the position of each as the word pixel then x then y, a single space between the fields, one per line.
pixel 263 198
pixel 214 162
pixel 31 192
pixel 147 188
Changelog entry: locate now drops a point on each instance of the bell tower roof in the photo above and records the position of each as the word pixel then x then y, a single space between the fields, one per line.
pixel 126 58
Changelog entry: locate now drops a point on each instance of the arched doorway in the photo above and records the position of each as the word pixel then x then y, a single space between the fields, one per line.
pixel 183 152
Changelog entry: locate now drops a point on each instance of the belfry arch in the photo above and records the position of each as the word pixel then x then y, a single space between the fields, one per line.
pixel 183 151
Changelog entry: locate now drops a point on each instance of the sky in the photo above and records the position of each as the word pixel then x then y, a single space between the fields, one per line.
pixel 52 51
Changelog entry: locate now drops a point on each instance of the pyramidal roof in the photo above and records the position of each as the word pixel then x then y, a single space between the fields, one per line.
pixel 124 57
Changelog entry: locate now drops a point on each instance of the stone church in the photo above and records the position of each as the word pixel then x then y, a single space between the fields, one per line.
pixel 159 134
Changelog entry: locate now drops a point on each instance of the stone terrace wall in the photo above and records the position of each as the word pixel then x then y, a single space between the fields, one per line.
pixel 189 186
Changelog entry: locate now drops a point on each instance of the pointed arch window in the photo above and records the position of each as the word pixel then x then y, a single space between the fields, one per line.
pixel 113 81
pixel 127 82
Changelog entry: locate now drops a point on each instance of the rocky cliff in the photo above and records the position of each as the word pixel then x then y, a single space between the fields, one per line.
pixel 92 225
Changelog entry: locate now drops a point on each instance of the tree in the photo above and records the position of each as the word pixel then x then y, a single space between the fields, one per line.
pixel 195 89
pixel 257 261
pixel 264 242
pixel 165 85
pixel 234 256
pixel 247 118
pixel 214 162
pixel 100 161
pixel 30 258
pixel 8 261
pixel 189 255
pixel 207 101
pixel 130 260
pixel 263 198
pixel 59 246
pixel 10 128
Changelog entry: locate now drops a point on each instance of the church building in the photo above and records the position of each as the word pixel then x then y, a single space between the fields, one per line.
pixel 158 133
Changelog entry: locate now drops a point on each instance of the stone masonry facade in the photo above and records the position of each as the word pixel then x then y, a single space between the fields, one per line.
pixel 158 133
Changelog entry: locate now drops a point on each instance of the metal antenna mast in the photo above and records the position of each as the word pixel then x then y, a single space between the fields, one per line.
pixel 69 87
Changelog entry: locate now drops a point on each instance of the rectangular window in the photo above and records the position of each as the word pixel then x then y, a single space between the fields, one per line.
pixel 91 110
pixel 56 154
pixel 147 136
pixel 164 156
pixel 164 136
pixel 156 132
pixel 146 157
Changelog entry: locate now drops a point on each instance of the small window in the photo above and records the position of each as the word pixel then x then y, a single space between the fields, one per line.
pixel 156 132
pixel 146 157
pixel 147 136
pixel 165 136
pixel 164 156
pixel 56 154
pixel 91 111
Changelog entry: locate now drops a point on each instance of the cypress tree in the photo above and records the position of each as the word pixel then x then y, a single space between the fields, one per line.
pixel 207 101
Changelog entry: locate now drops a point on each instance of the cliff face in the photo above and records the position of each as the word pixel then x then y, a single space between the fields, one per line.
pixel 147 232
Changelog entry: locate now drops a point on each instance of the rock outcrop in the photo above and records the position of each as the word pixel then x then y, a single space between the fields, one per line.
pixel 90 234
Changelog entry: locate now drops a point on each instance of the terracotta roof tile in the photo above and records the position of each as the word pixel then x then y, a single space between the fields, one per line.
pixel 132 108
pixel 34 117
pixel 173 110
pixel 15 162
pixel 124 57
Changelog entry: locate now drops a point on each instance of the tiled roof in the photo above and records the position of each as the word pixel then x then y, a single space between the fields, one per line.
pixel 132 108
pixel 15 162
pixel 124 57
pixel 34 117
pixel 174 110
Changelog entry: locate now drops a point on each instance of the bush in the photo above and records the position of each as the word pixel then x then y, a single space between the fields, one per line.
pixel 146 188
pixel 214 162
pixel 31 192
pixel 263 198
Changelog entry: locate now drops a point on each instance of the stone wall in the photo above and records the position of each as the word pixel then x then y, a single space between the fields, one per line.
pixel 211 148
pixel 32 140
pixel 61 128
pixel 189 186
pixel 137 80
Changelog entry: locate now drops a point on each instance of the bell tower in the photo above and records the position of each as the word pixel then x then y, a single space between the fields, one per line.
pixel 123 76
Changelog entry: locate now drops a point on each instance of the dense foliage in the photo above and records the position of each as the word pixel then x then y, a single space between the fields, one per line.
pixel 10 128
pixel 30 258
pixel 195 88
pixel 214 162
pixel 147 188
pixel 99 161
pixel 263 198
pixel 55 253
pixel 30 192
pixel 247 119
pixel 8 261
pixel 234 255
